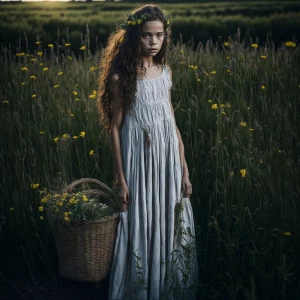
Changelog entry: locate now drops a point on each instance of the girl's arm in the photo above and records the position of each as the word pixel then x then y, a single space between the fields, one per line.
pixel 117 118
pixel 186 185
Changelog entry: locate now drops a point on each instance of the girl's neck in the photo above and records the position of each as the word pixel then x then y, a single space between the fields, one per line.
pixel 148 61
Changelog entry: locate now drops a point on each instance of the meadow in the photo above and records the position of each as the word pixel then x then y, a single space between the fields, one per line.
pixel 200 21
pixel 237 107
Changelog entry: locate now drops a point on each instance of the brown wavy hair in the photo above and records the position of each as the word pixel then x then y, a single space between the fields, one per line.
pixel 122 56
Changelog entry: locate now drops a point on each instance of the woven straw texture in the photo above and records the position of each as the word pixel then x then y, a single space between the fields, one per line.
pixel 85 249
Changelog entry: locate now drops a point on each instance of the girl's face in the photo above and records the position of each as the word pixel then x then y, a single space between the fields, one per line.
pixel 152 38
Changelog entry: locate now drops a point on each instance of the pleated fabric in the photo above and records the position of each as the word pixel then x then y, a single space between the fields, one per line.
pixel 154 256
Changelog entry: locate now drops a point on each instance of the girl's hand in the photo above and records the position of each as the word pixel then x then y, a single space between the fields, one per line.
pixel 124 196
pixel 186 186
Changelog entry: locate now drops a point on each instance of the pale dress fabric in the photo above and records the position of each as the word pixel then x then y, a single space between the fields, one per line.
pixel 145 265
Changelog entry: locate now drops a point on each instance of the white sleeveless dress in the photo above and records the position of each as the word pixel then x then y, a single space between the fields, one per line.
pixel 155 256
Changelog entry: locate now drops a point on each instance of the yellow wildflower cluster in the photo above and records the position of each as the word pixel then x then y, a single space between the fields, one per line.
pixel 254 45
pixel 243 124
pixel 82 48
pixel 20 54
pixel 243 172
pixel 290 44
pixel 91 152
pixel 193 67
pixel 35 185
pixel 67 44
pixel 93 95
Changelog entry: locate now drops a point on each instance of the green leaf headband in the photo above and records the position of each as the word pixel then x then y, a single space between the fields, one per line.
pixel 134 20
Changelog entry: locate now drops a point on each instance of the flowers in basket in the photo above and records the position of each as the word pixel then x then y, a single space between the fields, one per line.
pixel 68 207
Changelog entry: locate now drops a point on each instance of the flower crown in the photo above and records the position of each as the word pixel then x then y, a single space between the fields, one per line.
pixel 134 20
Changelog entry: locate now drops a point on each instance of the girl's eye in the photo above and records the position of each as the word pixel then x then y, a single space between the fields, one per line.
pixel 160 35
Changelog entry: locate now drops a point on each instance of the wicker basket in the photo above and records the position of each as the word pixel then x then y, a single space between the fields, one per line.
pixel 85 249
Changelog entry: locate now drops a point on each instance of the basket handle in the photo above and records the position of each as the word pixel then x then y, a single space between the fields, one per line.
pixel 111 195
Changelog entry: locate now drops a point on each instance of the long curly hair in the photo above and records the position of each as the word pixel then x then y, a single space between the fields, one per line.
pixel 122 56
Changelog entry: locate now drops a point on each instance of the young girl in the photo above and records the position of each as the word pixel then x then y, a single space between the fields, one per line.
pixel 155 255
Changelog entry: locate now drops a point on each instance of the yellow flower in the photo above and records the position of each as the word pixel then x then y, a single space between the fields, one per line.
pixel 223 113
pixel 20 54
pixel 67 219
pixel 225 44
pixel 41 217
pixel 50 45
pixel 92 69
pixel 42 132
pixel 209 101
pixel 35 185
pixel 69 57
pixel 76 99
pixel 140 21
pixel 56 86
pixel 41 208
pixel 279 150
pixel 12 208
pixel 33 59
pixel 228 105
pixel 82 134
pixel 32 77
pixel 243 172
pixel 60 73
pixel 244 124
pixel 263 56
pixel 72 115
pixel 131 22
pixel 92 96
pixel 290 44
pixel 75 93
pixel 91 152
pixel 67 44
pixel 24 69
pixel 60 203
pixel 75 137
pixel 44 200
pixel 55 140
pixel 254 45
pixel 213 72
pixel 23 83
pixel 84 197
pixel 94 92
pixel 45 69
pixel 5 101
pixel 33 96
pixel 287 233
pixel 82 48
pixel 41 64
pixel 228 57
pixel 37 42
pixel 40 53
pixel 251 129
pixel 214 106
pixel 198 80
pixel 263 87
pixel 65 136
pixel 222 105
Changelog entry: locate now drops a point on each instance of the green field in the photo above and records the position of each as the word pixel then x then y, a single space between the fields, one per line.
pixel 201 21
pixel 237 108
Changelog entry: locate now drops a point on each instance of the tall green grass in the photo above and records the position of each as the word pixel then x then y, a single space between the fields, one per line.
pixel 249 226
